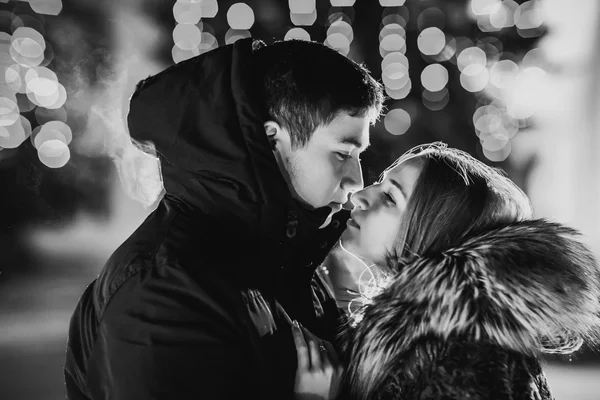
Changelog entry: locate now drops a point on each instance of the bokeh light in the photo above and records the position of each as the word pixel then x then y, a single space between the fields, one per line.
pixel 54 153
pixel 297 33
pixel 431 41
pixel 187 12
pixel 397 121
pixel 434 77
pixel 240 16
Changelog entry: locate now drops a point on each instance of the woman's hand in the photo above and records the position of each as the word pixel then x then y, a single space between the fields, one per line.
pixel 319 370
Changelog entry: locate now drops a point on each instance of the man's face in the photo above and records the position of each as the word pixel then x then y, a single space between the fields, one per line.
pixel 327 169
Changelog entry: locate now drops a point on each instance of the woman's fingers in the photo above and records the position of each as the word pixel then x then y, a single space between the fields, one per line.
pixel 302 350
pixel 315 355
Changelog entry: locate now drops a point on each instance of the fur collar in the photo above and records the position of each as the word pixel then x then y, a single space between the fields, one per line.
pixel 529 287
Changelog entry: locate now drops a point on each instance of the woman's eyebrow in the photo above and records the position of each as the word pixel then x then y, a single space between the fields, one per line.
pixel 399 186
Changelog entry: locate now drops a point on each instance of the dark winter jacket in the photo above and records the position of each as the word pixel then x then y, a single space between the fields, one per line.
pixel 471 323
pixel 167 317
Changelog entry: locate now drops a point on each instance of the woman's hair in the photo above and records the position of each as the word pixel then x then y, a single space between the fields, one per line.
pixel 455 197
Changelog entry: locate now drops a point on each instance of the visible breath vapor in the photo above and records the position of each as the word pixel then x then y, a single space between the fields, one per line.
pixel 106 132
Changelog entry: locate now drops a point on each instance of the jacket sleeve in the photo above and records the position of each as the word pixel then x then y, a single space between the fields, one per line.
pixel 162 337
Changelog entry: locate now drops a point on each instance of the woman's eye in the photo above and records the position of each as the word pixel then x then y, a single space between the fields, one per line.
pixel 389 198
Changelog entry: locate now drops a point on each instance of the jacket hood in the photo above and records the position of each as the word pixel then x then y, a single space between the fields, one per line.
pixel 529 287
pixel 205 120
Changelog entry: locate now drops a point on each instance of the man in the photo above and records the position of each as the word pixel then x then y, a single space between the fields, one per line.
pixel 259 145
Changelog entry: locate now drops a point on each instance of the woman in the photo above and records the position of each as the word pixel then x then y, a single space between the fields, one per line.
pixel 464 291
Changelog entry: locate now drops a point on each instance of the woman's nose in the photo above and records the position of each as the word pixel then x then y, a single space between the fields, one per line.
pixel 359 199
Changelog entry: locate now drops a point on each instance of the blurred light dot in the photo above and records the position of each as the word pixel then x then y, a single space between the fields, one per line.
pixel 529 16
pixel 434 77
pixel 393 19
pixel 402 12
pixel 338 14
pixel 9 19
pixel 5 37
pixel 504 74
pixel 28 43
pixel 303 19
pixel 302 6
pixel 341 27
pixel 483 110
pixel 44 115
pixel 14 77
pixel 240 16
pixel 297 33
pixel 41 81
pixel 338 42
pixel 178 54
pixel 48 7
pixel 483 7
pixel 12 136
pixel 54 153
pixel 48 56
pixel 487 124
pixel 233 35
pixel 447 52
pixel 469 56
pixel 186 36
pixel 435 96
pixel 342 3
pixel 391 44
pixel 187 13
pixel 9 111
pixel 397 121
pixel 208 42
pixel 499 155
pixel 25 105
pixel 485 25
pixel 474 77
pixel 47 134
pixel 61 127
pixel 55 101
pixel 28 47
pixel 431 41
pixel 390 29
pixel 533 58
pixel 209 8
pixel 431 17
pixel 503 14
pixel 392 58
pixel 436 104
pixel 395 76
pixel 398 94
pixel 391 3
pixel 494 142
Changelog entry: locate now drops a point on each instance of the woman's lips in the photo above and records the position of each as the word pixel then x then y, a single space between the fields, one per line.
pixel 352 223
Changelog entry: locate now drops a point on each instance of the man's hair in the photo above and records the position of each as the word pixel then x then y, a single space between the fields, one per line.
pixel 455 198
pixel 306 84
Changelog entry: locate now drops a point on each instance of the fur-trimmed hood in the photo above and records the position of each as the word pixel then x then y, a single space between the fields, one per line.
pixel 528 287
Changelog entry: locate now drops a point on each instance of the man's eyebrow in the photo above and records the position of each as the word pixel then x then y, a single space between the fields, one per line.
pixel 354 142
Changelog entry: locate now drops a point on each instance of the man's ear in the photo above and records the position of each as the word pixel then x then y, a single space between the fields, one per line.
pixel 273 131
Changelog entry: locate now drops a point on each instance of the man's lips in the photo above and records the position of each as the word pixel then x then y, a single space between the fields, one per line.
pixel 335 207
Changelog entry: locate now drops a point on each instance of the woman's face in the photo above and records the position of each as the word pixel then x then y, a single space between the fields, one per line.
pixel 374 225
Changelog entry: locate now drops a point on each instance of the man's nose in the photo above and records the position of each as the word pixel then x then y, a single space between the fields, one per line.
pixel 353 178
